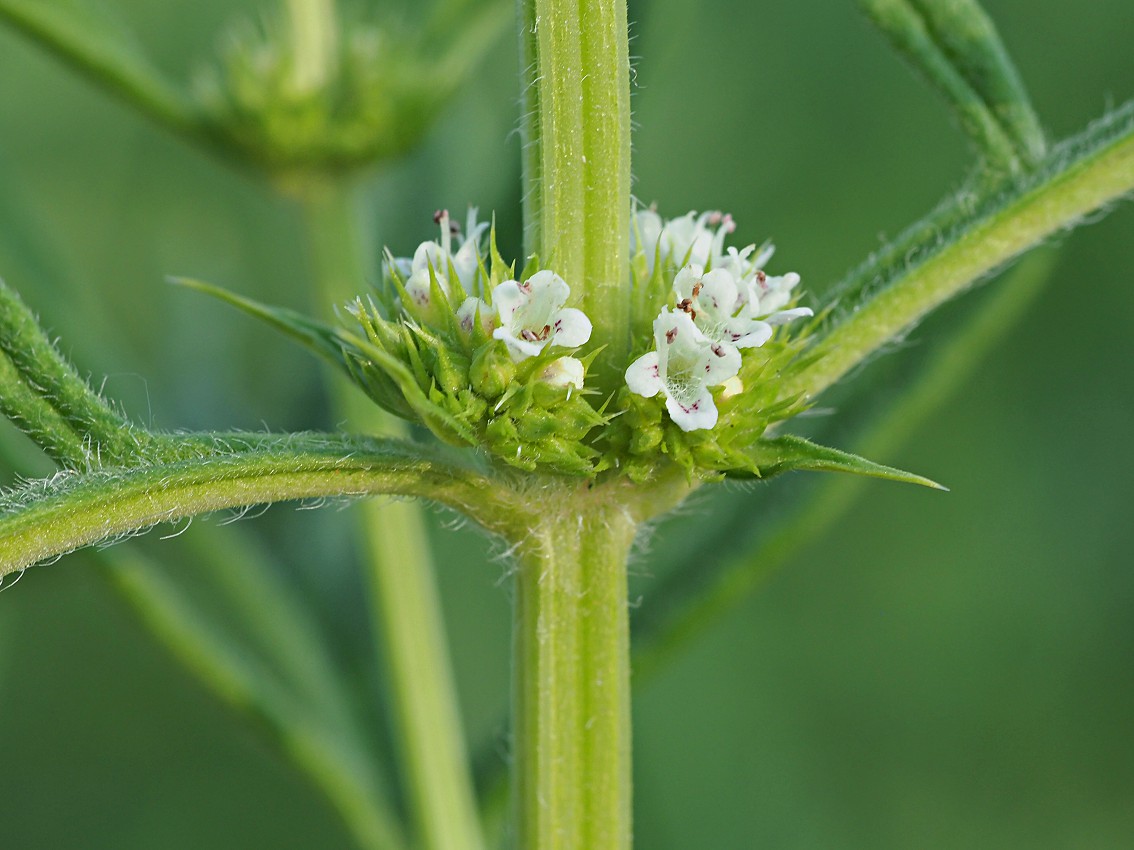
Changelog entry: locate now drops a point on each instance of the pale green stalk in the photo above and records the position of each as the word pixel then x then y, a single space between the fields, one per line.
pixel 1086 173
pixel 315 38
pixel 571 706
pixel 403 594
pixel 576 137
pixel 572 675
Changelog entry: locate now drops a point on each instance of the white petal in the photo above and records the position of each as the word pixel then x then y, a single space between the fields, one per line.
pixel 675 333
pixel 686 279
pixel 570 328
pixel 467 313
pixel 694 415
pixel 466 263
pixel 645 232
pixel 642 376
pixel 420 288
pixel 403 266
pixel 430 253
pixel 748 333
pixel 517 347
pixel 548 288
pixel 765 254
pixel 563 372
pixel 722 363
pixel 507 298
pixel 718 294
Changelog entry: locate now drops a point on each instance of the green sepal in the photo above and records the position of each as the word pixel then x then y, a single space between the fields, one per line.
pixel 442 423
pixel 784 454
pixel 500 271
pixel 449 368
pixel 530 268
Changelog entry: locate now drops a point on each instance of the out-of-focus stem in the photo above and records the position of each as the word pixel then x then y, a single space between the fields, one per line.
pixel 403 595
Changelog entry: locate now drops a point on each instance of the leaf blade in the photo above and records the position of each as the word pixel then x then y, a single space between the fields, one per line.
pixel 790 453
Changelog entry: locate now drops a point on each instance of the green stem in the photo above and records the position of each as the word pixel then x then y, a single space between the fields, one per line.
pixel 314 38
pixel 572 674
pixel 43 392
pixel 577 159
pixel 1079 177
pixel 49 518
pixel 403 592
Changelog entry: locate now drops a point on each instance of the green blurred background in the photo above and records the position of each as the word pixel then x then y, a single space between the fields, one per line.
pixel 941 671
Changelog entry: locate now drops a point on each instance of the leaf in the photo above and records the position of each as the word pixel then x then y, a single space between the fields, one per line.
pixel 45 519
pixel 956 46
pixel 788 453
pixel 82 34
pixel 968 238
pixel 45 397
pixel 314 335
pixel 334 755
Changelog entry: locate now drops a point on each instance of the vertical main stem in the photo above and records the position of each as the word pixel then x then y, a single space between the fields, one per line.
pixel 572 676
pixel 404 600
pixel 577 160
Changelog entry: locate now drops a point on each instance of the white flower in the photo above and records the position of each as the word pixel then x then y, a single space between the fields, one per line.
pixel 440 255
pixel 683 367
pixel 532 315
pixel 691 238
pixel 765 295
pixel 713 301
pixel 471 308
pixel 564 372
pixel 744 263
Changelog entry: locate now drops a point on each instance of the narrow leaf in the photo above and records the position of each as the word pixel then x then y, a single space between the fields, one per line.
pixel 788 453
pixel 43 394
pixel 350 352
pixel 891 292
pixel 956 46
pixel 334 757
pixel 314 335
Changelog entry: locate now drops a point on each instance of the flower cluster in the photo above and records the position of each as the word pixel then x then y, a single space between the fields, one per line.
pixel 478 354
pixel 723 301
pixel 490 358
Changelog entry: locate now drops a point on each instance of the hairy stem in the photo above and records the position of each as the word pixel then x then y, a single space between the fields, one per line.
pixel 1082 175
pixel 572 676
pixel 403 594
pixel 51 518
pixel 577 159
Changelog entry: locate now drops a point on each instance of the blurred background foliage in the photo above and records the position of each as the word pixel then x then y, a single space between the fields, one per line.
pixel 938 671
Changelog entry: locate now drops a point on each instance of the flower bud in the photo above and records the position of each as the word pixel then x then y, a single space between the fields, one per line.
pixel 492 370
